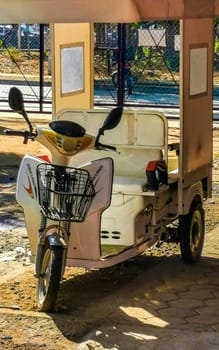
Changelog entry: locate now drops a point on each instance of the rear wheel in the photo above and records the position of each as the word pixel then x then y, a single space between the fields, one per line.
pixel 128 82
pixel 191 233
pixel 50 276
pixel 115 79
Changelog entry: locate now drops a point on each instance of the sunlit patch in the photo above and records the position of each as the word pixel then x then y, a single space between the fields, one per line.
pixel 155 302
pixel 140 336
pixel 144 316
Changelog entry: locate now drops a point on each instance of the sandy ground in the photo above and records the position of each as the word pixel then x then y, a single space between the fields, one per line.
pixel 95 309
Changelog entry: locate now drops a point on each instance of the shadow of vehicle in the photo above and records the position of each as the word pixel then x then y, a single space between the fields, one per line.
pixel 139 304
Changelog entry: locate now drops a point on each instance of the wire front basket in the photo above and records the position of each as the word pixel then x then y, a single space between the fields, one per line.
pixel 65 193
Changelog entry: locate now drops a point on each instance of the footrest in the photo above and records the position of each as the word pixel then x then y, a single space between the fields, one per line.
pixel 128 184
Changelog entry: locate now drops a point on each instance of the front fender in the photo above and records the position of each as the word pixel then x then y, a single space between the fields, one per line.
pixel 189 194
pixel 55 235
pixel 55 239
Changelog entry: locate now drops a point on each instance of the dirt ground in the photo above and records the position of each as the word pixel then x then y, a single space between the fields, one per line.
pixel 92 305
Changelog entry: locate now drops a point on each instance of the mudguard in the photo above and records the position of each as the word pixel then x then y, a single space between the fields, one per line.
pixel 55 240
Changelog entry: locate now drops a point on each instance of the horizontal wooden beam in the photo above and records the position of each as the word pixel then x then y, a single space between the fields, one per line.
pixel 79 11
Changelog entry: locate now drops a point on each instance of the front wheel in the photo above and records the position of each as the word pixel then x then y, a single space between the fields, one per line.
pixel 191 233
pixel 115 79
pixel 50 276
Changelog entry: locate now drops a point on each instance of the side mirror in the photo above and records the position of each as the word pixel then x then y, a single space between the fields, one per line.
pixel 15 100
pixel 112 120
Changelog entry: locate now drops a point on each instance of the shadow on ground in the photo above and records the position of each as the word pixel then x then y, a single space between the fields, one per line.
pixel 137 304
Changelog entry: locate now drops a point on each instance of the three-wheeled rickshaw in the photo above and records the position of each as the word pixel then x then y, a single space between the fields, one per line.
pixel 134 201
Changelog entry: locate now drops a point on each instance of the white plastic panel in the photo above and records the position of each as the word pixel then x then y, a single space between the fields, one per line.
pixel 78 116
pixel 119 135
pixel 120 217
pixel 150 130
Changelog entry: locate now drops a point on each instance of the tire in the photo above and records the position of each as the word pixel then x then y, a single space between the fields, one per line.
pixel 128 82
pixel 50 276
pixel 191 233
pixel 115 79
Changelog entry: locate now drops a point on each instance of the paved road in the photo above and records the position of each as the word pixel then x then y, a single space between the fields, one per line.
pixel 165 306
pixel 31 93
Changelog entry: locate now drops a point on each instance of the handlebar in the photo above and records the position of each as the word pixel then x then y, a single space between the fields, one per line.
pixel 174 147
pixel 25 134
pixel 101 146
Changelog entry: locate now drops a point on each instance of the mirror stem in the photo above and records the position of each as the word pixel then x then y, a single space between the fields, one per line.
pixel 28 121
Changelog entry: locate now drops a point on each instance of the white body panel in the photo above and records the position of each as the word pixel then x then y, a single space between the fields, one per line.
pixel 83 234
pixel 26 196
pixel 124 218
pixel 139 138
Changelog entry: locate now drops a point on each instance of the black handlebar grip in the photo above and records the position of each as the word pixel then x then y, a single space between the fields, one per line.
pixel 14 132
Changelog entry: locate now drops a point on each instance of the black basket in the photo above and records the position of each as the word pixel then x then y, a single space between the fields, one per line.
pixel 65 194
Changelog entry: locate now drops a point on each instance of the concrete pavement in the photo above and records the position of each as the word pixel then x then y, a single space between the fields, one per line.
pixel 175 307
